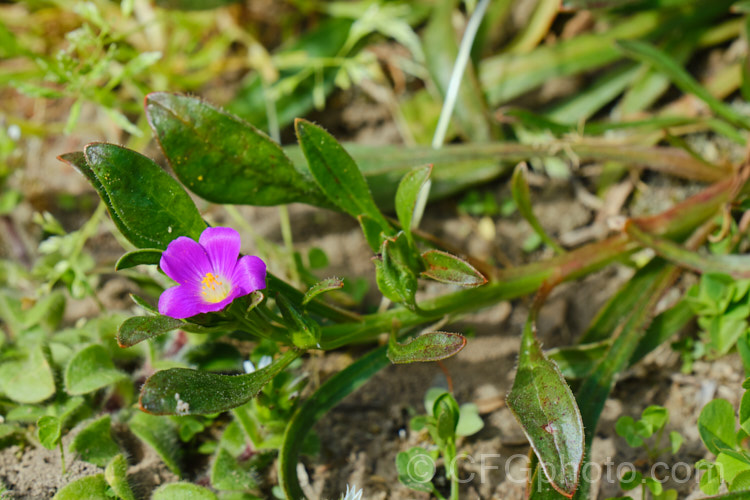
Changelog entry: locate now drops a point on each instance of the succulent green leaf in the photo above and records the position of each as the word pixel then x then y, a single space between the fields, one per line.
pixel 545 407
pixel 654 486
pixel 90 369
pixel 94 444
pixel 446 413
pixel 89 487
pixel 322 287
pixel 116 474
pixel 28 380
pixel 446 268
pixel 630 480
pixel 397 271
pixel 741 481
pixel 305 331
pixel 731 463
pixel 432 346
pixel 416 468
pixel 656 417
pixel 469 421
pixel 49 430
pixel 147 205
pixel 223 159
pixel 180 391
pixel 140 328
pixel 716 426
pixel 675 441
pixel 407 196
pixel 138 257
pixel 161 435
pixel 710 480
pixel 172 491
pixel 228 474
pixel 336 173
pixel 626 428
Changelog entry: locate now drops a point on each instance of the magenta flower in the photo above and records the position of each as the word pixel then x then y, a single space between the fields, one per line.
pixel 210 274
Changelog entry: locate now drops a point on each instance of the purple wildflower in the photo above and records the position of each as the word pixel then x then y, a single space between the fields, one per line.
pixel 209 274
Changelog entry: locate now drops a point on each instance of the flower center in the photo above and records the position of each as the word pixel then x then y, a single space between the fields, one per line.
pixel 214 289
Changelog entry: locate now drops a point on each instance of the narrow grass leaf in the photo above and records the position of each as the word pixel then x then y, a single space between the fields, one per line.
pixel 737 266
pixel 681 78
pixel 326 397
pixel 440 46
pixel 522 196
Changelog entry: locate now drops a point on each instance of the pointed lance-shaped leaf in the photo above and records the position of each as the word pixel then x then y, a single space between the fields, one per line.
pixel 139 328
pixel 545 407
pixel 224 159
pixel 447 268
pixel 147 205
pixel 322 287
pixel 432 346
pixel 336 173
pixel 147 256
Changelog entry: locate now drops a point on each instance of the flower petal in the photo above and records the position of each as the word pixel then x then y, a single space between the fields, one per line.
pixel 222 244
pixel 181 301
pixel 249 274
pixel 185 261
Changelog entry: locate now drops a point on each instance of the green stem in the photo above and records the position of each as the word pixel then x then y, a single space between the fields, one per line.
pixel 62 455
pixel 515 282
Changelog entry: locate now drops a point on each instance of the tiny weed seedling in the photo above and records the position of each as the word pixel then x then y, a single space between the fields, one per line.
pixel 722 306
pixel 648 433
pixel 445 421
pixel 717 425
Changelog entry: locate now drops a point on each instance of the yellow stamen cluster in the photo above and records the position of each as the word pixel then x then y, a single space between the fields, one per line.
pixel 214 289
